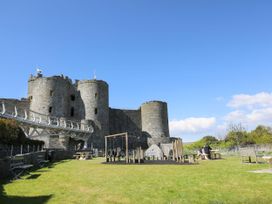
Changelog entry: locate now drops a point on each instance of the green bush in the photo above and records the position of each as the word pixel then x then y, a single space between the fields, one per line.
pixel 236 136
pixel 11 133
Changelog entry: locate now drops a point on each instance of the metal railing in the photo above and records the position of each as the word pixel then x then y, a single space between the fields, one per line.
pixel 41 120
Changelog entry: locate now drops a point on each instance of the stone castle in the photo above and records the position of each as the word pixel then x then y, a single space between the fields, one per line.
pixel 88 101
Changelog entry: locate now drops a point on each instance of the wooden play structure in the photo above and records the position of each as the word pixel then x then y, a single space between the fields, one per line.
pixel 117 148
pixel 122 148
pixel 178 151
pixel 111 152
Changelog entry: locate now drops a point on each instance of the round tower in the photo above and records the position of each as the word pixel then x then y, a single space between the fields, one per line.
pixel 49 95
pixel 155 126
pixel 95 97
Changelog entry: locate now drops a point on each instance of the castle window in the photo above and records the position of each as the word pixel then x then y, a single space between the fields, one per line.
pixel 51 92
pixel 73 97
pixel 72 112
pixel 96 95
pixel 30 98
pixel 50 109
pixel 95 111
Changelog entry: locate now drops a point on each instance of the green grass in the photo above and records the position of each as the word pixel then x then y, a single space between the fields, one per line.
pixel 212 182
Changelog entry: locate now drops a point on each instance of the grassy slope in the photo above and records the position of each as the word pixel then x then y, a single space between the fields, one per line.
pixel 221 181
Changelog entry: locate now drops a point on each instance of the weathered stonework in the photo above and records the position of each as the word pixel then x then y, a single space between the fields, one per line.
pixel 155 122
pixel 88 101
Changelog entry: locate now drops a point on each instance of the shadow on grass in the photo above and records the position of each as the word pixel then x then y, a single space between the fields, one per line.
pixel 24 200
pixel 53 164
pixel 6 199
pixel 33 176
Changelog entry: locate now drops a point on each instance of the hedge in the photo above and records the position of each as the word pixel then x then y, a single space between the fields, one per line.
pixel 11 133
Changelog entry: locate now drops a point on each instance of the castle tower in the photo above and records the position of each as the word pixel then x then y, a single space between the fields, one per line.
pixel 154 118
pixel 50 95
pixel 95 97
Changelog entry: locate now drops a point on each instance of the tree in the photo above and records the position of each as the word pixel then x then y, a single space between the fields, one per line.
pixel 210 140
pixel 237 135
pixel 261 135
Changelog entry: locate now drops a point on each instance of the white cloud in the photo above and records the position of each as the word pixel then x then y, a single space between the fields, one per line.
pixel 235 116
pixel 191 125
pixel 252 117
pixel 250 110
pixel 260 115
pixel 263 99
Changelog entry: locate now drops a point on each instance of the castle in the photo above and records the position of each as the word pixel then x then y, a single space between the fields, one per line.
pixel 88 101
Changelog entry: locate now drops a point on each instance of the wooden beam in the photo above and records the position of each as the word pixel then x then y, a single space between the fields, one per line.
pixel 126 147
pixel 106 149
pixel 119 134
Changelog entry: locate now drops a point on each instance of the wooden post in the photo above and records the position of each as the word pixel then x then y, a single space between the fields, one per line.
pixel 139 155
pixel 173 151
pixel 133 156
pixel 106 149
pixel 21 149
pixel 27 148
pixel 126 147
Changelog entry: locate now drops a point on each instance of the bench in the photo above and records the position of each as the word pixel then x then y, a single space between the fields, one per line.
pixel 41 160
pixel 77 156
pixel 268 159
pixel 18 166
pixel 83 155
pixel 248 154
pixel 215 154
pixel 189 158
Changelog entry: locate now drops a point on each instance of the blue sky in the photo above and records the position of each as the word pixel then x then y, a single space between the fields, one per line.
pixel 202 57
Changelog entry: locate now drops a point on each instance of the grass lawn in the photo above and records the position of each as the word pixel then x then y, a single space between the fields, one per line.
pixel 212 182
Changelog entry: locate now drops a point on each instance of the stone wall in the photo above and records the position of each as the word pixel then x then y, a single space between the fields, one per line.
pixel 21 105
pixel 125 121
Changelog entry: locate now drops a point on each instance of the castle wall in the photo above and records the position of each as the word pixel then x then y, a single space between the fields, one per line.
pixel 21 105
pixel 88 101
pixel 154 116
pixel 125 121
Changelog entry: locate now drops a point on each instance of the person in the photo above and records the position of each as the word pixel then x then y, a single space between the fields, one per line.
pixel 207 151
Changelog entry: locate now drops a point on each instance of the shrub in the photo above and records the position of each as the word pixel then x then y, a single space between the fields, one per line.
pixel 11 133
